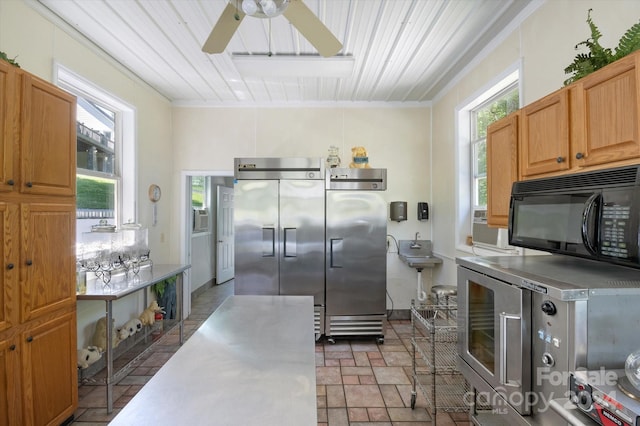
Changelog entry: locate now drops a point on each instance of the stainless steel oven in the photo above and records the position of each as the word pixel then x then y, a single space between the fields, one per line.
pixel 497 341
pixel 526 323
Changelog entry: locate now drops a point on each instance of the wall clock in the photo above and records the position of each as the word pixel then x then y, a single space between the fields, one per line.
pixel 154 193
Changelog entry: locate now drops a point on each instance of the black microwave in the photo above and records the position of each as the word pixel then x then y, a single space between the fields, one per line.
pixel 591 214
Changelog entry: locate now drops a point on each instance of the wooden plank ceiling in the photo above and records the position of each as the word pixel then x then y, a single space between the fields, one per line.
pixel 404 50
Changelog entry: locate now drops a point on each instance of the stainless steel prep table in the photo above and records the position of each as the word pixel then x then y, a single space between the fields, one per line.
pixel 121 286
pixel 252 362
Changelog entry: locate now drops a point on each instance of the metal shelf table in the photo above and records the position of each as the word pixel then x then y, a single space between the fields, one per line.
pixel 125 285
pixel 251 363
pixel 434 341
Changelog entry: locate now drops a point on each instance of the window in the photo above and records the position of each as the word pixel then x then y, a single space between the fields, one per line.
pixel 496 107
pixel 473 115
pixel 105 177
pixel 96 178
pixel 199 185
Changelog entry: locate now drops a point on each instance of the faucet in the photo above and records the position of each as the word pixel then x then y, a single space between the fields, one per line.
pixel 415 244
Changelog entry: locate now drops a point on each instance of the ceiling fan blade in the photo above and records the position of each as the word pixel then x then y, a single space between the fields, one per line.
pixel 224 29
pixel 312 28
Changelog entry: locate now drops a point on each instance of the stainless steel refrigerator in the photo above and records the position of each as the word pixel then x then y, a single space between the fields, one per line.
pixel 279 228
pixel 356 252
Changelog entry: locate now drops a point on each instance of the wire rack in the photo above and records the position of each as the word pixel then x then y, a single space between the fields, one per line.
pixel 434 341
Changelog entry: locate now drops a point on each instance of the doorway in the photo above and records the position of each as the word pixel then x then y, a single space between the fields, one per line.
pixel 201 213
pixel 225 269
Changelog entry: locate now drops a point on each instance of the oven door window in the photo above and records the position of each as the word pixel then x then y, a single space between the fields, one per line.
pixel 482 325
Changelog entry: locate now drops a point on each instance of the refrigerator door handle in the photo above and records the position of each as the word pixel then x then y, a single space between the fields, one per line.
pixel 290 242
pixel 268 242
pixel 336 252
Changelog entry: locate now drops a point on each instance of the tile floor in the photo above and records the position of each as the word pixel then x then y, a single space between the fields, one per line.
pixel 358 381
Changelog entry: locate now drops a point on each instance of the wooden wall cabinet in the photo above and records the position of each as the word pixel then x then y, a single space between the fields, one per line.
pixel 46 228
pixel 38 366
pixel 544 144
pixel 48 355
pixel 605 115
pixel 10 403
pixel 34 119
pixel 8 126
pixel 588 125
pixel 9 273
pixel 502 168
pixel 47 166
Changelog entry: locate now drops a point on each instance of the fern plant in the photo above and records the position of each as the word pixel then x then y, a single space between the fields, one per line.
pixel 629 42
pixel 12 61
pixel 599 56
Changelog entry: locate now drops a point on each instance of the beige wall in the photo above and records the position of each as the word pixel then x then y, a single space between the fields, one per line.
pixel 544 43
pixel 395 138
pixel 172 140
pixel 38 44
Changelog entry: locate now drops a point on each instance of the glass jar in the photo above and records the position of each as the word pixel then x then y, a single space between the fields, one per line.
pixel 333 160
pixel 632 369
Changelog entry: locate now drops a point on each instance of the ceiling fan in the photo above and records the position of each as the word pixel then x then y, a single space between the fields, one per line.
pixel 295 11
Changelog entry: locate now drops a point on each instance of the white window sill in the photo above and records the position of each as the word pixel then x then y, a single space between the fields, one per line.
pixel 484 251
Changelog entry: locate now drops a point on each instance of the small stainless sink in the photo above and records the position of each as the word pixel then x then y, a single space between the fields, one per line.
pixel 417 254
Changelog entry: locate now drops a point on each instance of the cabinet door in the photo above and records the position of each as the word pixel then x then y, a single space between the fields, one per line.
pixel 50 371
pixel 544 135
pixel 502 168
pixel 48 144
pixel 8 125
pixel 47 279
pixel 10 413
pixel 10 258
pixel 607 114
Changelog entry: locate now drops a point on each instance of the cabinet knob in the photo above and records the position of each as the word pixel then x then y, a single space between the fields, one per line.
pixel 10 266
pixel 29 184
pixel 10 182
pixel 560 159
pixel 579 155
pixel 12 347
pixel 29 262
pixel 30 339
pixel 548 307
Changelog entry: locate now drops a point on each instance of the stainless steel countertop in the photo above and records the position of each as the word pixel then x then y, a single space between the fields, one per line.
pixel 122 285
pixel 564 277
pixel 252 362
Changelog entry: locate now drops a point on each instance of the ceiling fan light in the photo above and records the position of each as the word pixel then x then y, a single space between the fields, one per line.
pixel 249 7
pixel 269 8
pixel 263 8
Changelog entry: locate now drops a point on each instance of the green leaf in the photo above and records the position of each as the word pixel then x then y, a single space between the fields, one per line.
pixel 599 56
pixel 4 57
pixel 629 42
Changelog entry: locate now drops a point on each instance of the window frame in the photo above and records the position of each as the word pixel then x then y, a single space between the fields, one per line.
pixel 464 160
pixel 476 139
pixel 125 172
pixel 206 202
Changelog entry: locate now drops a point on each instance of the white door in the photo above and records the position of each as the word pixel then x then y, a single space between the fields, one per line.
pixel 225 253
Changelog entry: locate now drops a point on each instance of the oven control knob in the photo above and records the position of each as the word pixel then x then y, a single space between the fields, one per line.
pixel 547 359
pixel 584 401
pixel 548 307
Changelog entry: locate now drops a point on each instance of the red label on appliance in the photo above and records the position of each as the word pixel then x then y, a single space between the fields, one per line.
pixel 607 418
